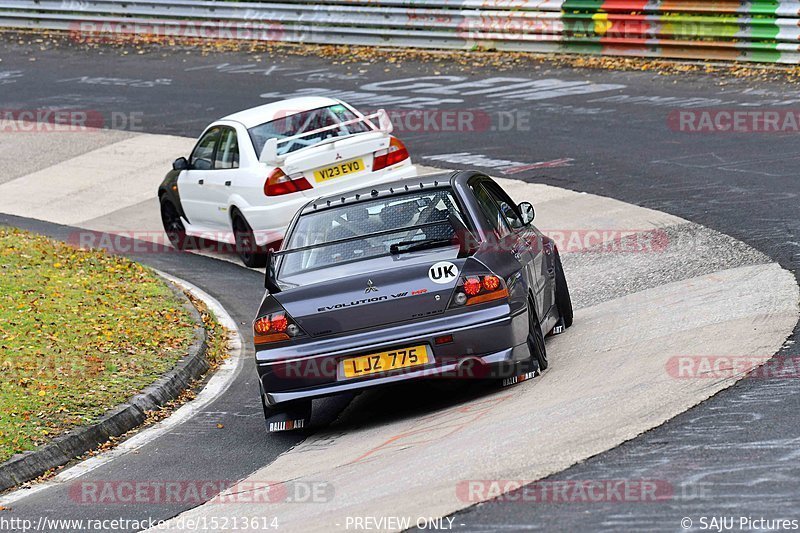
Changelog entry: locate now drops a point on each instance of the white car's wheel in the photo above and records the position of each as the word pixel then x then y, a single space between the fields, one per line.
pixel 249 252
pixel 173 226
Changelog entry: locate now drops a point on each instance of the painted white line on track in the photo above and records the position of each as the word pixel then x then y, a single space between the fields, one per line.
pixel 216 386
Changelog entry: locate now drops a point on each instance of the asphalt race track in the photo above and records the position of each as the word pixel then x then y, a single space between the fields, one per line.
pixel 554 131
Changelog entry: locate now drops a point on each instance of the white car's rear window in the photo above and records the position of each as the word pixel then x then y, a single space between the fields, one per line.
pixel 306 121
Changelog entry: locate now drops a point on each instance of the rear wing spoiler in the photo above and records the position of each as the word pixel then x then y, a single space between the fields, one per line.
pixel 270 155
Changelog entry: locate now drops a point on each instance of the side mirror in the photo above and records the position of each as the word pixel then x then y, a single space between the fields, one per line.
pixel 180 164
pixel 270 282
pixel 269 154
pixel 527 212
pixel 384 122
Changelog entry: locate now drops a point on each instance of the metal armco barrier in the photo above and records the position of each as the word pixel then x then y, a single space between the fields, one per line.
pixel 765 31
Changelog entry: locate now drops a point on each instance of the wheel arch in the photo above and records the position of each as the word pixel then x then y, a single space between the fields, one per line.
pixel 169 189
pixel 233 210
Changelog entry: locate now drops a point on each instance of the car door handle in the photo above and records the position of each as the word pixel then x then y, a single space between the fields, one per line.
pixel 227 183
pixel 200 182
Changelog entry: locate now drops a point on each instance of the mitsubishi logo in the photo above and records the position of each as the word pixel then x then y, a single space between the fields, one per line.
pixel 370 287
pixel 338 156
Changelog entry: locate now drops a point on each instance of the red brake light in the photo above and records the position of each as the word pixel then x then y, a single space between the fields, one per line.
pixel 478 289
pixel 490 283
pixel 261 326
pixel 279 323
pixel 391 156
pixel 275 327
pixel 472 286
pixel 279 183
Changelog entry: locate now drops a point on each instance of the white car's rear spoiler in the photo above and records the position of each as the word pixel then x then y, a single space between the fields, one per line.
pixel 269 154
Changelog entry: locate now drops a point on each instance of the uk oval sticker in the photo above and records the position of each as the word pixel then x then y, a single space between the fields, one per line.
pixel 443 272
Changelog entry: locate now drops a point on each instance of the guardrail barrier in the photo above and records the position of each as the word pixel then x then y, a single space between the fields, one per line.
pixel 765 31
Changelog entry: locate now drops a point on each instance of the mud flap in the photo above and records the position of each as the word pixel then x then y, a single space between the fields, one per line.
pixel 507 382
pixel 294 416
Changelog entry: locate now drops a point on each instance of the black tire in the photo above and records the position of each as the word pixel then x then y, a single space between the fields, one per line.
pixel 173 225
pixel 536 339
pixel 563 299
pixel 246 246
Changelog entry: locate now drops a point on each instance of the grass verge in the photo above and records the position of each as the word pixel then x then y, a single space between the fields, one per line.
pixel 81 331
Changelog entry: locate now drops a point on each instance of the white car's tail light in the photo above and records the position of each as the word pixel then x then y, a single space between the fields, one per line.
pixel 390 156
pixel 279 183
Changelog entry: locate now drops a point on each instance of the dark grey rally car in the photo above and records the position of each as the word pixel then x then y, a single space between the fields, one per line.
pixel 439 276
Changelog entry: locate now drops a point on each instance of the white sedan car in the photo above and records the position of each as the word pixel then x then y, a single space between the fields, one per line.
pixel 250 172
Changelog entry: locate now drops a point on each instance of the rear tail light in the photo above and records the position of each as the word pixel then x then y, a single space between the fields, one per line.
pixel 275 327
pixel 472 286
pixel 279 323
pixel 473 290
pixel 390 156
pixel 490 283
pixel 279 183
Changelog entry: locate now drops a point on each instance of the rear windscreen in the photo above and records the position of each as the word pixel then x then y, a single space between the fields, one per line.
pixel 369 229
pixel 306 121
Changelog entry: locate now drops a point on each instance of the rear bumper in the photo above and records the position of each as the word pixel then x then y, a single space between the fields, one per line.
pixel 501 360
pixel 494 335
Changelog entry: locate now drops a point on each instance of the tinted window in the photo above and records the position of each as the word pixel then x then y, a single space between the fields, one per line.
pixel 228 150
pixel 306 121
pixel 204 151
pixel 368 229
pixel 507 208
pixel 490 209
